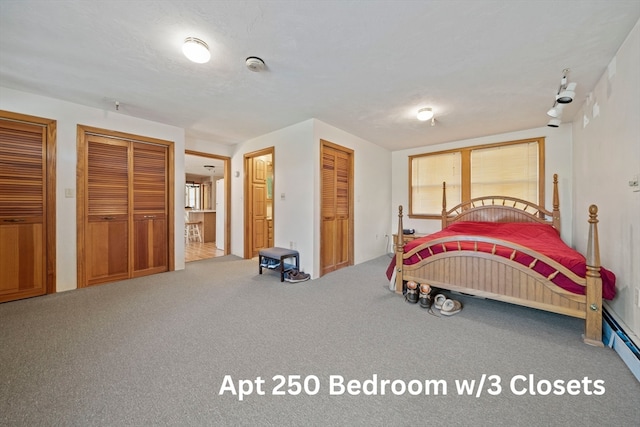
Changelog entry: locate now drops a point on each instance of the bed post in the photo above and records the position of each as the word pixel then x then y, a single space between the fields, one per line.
pixel 399 246
pixel 593 321
pixel 444 205
pixel 556 204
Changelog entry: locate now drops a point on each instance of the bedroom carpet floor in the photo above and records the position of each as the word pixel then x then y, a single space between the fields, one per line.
pixel 177 348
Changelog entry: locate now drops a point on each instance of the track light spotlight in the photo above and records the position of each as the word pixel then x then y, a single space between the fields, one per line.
pixel 566 96
pixel 566 93
pixel 556 110
pixel 554 123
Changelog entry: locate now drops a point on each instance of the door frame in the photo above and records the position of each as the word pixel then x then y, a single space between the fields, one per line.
pixel 81 202
pixel 351 153
pixel 50 190
pixel 227 193
pixel 248 194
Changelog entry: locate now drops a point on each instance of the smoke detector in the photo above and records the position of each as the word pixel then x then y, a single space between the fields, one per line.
pixel 254 63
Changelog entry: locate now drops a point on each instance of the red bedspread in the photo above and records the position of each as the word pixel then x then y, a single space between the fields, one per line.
pixel 541 238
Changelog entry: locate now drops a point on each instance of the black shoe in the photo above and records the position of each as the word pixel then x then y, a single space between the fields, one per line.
pixel 425 298
pixel 412 292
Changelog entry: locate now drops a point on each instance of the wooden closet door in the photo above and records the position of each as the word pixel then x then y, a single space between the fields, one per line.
pixel 23 223
pixel 335 228
pixel 150 229
pixel 107 196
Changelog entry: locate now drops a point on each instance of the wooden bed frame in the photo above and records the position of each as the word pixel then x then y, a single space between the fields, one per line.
pixel 499 278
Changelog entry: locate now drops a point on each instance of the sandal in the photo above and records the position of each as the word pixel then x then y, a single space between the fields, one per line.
pixel 439 299
pixel 450 307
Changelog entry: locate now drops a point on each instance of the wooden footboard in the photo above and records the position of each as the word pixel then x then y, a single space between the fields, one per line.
pixel 493 276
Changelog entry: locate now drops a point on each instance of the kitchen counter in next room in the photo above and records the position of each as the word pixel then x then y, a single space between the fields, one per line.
pixel 208 219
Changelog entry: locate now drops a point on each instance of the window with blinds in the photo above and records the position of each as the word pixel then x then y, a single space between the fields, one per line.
pixel 506 170
pixel 427 175
pixel 513 168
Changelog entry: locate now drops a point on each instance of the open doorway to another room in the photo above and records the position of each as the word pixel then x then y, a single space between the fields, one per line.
pixel 207 188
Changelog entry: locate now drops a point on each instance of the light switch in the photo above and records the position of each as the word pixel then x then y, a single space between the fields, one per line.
pixel 69 193
pixel 281 196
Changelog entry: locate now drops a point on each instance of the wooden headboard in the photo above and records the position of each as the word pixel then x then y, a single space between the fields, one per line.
pixel 502 209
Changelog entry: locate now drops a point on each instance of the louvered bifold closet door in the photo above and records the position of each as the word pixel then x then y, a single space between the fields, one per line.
pixel 335 210
pixel 328 212
pixel 22 210
pixel 107 189
pixel 150 205
pixel 342 210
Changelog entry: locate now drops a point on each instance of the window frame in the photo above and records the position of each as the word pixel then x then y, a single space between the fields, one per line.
pixel 465 172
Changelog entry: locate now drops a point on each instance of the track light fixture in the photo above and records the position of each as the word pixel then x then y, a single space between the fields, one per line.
pixel 566 93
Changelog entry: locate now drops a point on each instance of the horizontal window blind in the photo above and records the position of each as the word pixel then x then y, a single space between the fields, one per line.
pixel 511 168
pixel 508 170
pixel 427 175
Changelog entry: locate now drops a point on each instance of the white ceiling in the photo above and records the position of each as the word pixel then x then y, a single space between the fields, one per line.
pixel 485 67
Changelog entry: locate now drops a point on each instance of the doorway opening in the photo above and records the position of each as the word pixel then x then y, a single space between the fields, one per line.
pixel 206 204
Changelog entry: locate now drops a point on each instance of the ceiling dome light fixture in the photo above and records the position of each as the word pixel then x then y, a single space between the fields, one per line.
pixel 196 50
pixel 425 114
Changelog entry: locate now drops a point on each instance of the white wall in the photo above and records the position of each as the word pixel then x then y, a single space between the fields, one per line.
pixel 293 177
pixel 297 176
pixel 68 116
pixel 557 160
pixel 206 146
pixel 606 157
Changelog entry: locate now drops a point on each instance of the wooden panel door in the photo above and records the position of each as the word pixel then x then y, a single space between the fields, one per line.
pixel 150 205
pixel 336 230
pixel 23 220
pixel 258 166
pixel 106 242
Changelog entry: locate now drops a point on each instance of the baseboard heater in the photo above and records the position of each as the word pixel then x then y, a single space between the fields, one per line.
pixel 616 338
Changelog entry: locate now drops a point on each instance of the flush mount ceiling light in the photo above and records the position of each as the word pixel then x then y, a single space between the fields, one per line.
pixel 196 50
pixel 425 114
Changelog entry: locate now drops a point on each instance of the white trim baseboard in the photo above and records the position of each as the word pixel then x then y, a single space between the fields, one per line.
pixel 625 344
